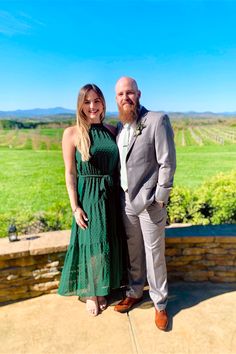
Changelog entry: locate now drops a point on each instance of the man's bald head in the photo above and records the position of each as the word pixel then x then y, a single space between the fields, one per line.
pixel 127 81
pixel 127 98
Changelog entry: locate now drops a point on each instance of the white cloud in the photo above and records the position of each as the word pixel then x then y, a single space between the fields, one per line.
pixel 21 23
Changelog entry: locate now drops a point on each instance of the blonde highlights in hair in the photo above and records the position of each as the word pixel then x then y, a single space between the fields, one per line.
pixel 83 124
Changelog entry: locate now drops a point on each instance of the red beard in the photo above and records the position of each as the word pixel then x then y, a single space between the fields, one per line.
pixel 130 113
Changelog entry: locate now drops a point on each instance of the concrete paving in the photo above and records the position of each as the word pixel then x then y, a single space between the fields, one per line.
pixel 202 320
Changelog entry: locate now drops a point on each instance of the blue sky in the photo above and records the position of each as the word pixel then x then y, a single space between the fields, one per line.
pixel 182 53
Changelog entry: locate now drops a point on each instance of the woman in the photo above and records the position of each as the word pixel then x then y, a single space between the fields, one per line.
pixel 93 264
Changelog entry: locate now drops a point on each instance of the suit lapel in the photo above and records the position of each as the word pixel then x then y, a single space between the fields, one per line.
pixel 140 119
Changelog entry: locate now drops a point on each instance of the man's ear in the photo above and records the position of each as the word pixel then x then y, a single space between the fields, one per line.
pixel 139 93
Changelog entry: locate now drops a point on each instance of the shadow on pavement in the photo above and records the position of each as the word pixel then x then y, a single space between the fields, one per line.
pixel 183 295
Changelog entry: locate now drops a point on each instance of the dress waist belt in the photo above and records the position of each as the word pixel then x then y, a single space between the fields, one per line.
pixel 100 176
pixel 105 184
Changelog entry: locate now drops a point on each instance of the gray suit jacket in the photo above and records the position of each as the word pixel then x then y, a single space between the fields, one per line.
pixel 151 160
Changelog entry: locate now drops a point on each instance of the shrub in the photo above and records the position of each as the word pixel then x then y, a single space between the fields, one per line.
pixel 220 198
pixel 212 203
pixel 180 200
pixel 57 218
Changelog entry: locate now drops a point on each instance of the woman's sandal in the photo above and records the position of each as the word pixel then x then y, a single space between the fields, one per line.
pixel 92 305
pixel 102 302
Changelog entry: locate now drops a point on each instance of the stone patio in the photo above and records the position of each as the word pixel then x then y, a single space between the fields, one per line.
pixel 202 320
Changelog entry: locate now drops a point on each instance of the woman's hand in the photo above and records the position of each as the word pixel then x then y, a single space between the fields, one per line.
pixel 81 218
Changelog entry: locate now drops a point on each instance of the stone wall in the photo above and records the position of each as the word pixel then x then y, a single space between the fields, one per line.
pixel 202 259
pixel 32 266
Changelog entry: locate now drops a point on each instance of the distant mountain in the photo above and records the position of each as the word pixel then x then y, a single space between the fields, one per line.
pixel 229 113
pixel 202 115
pixel 61 113
pixel 36 112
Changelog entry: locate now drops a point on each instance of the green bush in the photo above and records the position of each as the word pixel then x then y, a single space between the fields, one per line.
pixel 178 206
pixel 59 217
pixel 220 197
pixel 214 202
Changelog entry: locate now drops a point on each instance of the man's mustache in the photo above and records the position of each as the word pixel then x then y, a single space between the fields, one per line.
pixel 127 101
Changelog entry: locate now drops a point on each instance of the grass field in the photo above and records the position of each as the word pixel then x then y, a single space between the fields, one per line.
pixel 196 164
pixel 31 180
pixel 32 169
pixel 34 179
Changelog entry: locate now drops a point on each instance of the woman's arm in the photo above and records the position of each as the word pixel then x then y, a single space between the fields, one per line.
pixel 68 149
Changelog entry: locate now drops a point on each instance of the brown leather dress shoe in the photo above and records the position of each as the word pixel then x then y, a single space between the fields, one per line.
pixel 126 304
pixel 161 319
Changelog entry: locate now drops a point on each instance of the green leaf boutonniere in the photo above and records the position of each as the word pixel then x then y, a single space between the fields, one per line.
pixel 138 130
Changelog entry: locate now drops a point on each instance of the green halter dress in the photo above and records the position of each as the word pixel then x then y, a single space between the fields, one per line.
pixel 93 264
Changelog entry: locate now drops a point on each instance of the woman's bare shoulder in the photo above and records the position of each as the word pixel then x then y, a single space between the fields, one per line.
pixel 70 134
pixel 70 130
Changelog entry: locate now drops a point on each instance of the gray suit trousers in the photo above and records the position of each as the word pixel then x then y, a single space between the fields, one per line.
pixel 145 235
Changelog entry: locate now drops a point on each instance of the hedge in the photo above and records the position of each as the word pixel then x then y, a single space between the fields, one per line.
pixel 214 202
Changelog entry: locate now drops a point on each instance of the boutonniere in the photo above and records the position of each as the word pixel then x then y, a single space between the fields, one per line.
pixel 139 128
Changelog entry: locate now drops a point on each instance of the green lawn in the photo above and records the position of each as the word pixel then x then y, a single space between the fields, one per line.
pixel 32 169
pixel 31 180
pixel 34 179
pixel 198 163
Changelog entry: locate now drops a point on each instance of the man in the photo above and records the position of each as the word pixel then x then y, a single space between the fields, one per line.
pixel 147 158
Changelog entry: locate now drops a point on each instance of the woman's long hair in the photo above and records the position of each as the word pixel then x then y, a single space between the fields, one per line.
pixel 83 125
